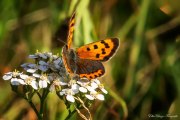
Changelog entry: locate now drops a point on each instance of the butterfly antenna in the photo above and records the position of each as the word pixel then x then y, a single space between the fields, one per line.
pixel 61 41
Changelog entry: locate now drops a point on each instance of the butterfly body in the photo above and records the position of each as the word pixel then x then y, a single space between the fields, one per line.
pixel 87 60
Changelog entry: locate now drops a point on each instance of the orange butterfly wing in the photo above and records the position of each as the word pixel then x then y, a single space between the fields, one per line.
pixel 86 61
pixel 102 50
pixel 71 31
pixel 66 48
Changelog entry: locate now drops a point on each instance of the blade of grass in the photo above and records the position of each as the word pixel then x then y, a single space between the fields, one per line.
pixel 136 47
pixel 127 26
pixel 120 101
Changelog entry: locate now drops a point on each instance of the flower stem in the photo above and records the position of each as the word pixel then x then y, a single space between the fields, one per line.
pixel 34 108
pixel 70 114
pixel 40 116
pixel 42 99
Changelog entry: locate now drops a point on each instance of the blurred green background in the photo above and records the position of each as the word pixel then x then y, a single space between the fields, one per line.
pixel 143 78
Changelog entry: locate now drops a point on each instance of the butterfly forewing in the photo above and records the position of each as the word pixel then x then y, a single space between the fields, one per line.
pixel 71 31
pixel 100 51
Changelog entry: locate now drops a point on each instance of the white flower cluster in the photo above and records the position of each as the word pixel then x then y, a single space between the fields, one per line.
pixel 38 74
pixel 90 89
pixel 48 72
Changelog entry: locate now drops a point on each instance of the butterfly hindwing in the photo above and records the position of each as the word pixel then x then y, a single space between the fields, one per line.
pixel 89 69
pixel 100 51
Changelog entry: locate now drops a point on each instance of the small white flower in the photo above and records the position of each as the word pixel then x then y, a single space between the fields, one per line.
pixel 42 55
pixel 57 63
pixel 14 81
pixel 84 86
pixel 22 82
pixel 23 76
pixel 55 57
pixel 42 63
pixel 100 96
pixel 43 66
pixel 90 88
pixel 48 54
pixel 31 70
pixel 83 89
pixel 11 75
pixel 32 66
pixel 104 91
pixel 94 85
pixel 83 83
pixel 70 98
pixel 33 56
pixel 75 88
pixel 30 80
pixel 90 97
pixel 36 75
pixel 96 95
pixel 97 81
pixel 43 81
pixel 16 73
pixel 101 87
pixel 34 84
pixel 68 93
pixel 42 84
pixel 7 76
pixel 63 83
pixel 27 66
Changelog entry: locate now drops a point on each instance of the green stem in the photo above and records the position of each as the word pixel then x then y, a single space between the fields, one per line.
pixel 34 108
pixel 70 114
pixel 42 99
pixel 41 110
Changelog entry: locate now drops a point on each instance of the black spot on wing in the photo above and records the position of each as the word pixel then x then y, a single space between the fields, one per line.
pixel 115 46
pixel 102 41
pixel 105 44
pixel 88 49
pixel 103 51
pixel 95 47
pixel 97 55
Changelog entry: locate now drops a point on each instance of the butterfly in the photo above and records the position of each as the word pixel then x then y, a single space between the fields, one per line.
pixel 87 60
